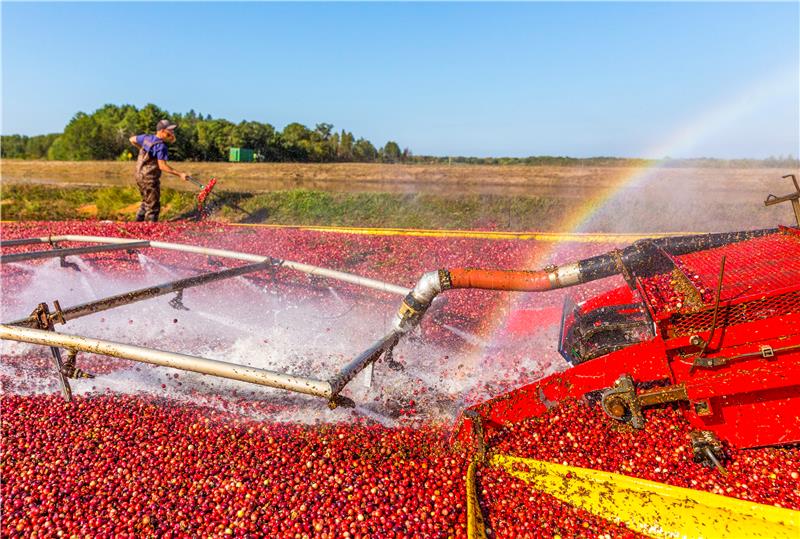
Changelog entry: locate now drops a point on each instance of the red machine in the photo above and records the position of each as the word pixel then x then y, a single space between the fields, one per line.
pixel 708 322
pixel 716 331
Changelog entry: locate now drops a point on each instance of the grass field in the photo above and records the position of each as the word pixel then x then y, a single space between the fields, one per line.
pixel 296 207
pixel 425 196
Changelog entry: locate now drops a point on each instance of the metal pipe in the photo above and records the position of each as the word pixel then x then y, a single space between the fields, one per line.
pixel 644 257
pixel 21 241
pixel 56 253
pixel 371 354
pixel 223 253
pixel 141 294
pixel 298 266
pixel 231 371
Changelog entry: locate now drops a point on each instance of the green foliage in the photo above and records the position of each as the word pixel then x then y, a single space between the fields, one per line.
pixel 104 134
pixel 34 202
pixel 364 151
pixel 110 200
pixel 302 207
pixel 391 153
pixel 23 147
pixel 41 202
pixel 294 207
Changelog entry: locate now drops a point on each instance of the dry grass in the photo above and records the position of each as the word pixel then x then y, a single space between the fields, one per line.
pixel 366 177
pixel 659 200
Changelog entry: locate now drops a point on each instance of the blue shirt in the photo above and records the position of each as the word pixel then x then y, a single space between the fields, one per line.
pixel 154 146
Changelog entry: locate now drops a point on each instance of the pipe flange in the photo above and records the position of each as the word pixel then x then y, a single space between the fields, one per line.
pixel 621 403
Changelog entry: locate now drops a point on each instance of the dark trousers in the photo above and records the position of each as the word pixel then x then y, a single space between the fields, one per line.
pixel 150 189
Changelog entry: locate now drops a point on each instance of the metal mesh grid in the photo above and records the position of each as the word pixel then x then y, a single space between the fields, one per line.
pixel 738 313
pixel 752 267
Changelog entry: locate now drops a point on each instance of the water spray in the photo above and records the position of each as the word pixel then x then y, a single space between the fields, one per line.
pixel 38 328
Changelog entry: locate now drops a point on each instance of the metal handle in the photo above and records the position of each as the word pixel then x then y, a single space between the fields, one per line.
pixel 197 183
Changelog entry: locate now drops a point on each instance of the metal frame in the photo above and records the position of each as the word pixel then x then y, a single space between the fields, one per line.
pixel 222 369
pixel 23 330
pixel 126 298
pixel 57 252
pixel 219 253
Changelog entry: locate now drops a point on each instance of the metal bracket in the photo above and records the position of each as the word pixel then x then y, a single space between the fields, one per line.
pixel 369 371
pixel 765 351
pixel 64 264
pixel 794 198
pixel 621 402
pixel 44 320
pixel 177 302
pixel 624 270
pixel 699 359
pixel 62 260
pixel 70 369
pixel 478 434
pixel 707 449
pixel 58 315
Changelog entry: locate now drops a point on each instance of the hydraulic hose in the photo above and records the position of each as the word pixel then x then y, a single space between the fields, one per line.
pixel 644 257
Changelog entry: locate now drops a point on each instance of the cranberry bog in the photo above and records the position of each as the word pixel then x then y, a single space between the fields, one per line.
pixel 371 439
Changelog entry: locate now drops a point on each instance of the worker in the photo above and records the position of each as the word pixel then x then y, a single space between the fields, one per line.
pixel 152 160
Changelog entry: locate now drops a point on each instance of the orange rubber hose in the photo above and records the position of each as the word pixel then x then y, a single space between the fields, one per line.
pixel 516 281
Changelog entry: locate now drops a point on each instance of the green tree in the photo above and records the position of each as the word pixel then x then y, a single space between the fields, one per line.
pixel 364 151
pixel 390 153
pixel 104 134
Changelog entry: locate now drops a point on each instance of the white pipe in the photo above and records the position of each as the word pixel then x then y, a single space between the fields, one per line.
pixel 298 266
pixel 223 253
pixel 299 384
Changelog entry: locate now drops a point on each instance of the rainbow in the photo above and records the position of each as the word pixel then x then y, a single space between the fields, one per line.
pixel 681 142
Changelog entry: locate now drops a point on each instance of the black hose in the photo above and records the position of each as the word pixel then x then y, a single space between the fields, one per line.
pixel 645 257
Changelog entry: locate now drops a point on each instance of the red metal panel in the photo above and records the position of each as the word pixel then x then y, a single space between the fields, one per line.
pixel 754 401
pixel 644 361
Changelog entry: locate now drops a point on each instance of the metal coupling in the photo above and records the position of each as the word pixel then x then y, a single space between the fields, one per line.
pixel 416 302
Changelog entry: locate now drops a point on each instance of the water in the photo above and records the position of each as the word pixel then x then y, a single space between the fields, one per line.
pixel 155 268
pixel 229 322
pixel 471 338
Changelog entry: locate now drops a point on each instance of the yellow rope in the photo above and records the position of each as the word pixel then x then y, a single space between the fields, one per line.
pixel 475 525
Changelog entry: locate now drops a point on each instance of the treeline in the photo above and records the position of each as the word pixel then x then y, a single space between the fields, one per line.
pixel 788 161
pixel 22 147
pixel 104 134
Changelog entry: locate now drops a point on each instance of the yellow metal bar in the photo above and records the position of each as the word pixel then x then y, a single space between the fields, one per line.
pixel 476 528
pixel 651 508
pixel 479 234
pixel 553 237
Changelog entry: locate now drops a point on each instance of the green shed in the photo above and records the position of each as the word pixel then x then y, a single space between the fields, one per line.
pixel 241 155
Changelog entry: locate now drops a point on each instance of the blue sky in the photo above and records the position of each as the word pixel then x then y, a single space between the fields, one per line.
pixel 579 79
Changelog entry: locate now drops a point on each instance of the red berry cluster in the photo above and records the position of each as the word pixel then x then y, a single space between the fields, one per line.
pixel 133 465
pixel 579 435
pixel 516 511
pixel 203 195
pixel 125 465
